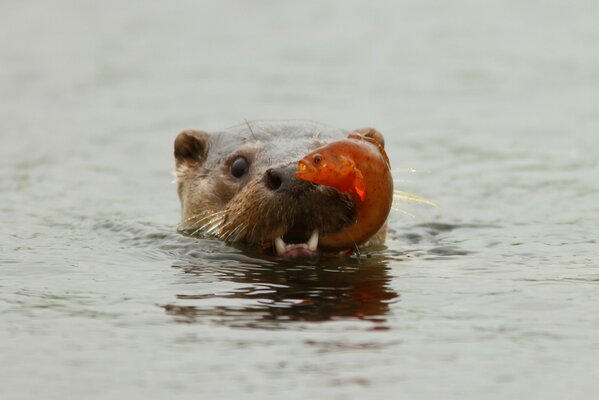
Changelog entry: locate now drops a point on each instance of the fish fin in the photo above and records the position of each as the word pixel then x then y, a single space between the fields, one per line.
pixel 359 186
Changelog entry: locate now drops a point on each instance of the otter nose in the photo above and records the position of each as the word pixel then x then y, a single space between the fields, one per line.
pixel 273 179
pixel 283 179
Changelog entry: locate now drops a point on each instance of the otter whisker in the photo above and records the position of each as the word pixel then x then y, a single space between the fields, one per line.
pixel 234 233
pixel 226 233
pixel 414 216
pixel 409 170
pixel 195 232
pixel 402 181
pixel 213 220
pixel 358 253
pixel 207 227
pixel 251 130
pixel 237 232
pixel 223 231
pixel 259 206
pixel 410 197
pixel 199 219
pixel 404 212
pixel 214 226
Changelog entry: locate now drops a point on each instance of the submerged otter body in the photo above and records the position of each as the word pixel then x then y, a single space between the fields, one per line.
pixel 240 185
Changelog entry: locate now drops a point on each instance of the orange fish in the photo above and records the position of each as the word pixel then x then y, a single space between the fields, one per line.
pixel 359 166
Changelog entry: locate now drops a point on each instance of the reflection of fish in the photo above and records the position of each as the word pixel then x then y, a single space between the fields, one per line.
pixel 359 166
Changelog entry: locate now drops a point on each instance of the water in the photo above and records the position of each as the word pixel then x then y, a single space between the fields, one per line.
pixel 492 294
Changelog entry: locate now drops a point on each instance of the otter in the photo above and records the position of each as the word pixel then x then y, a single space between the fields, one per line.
pixel 240 185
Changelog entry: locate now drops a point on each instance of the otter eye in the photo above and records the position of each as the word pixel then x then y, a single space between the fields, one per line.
pixel 239 167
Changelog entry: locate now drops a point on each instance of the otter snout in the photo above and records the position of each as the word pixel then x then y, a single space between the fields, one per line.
pixel 283 179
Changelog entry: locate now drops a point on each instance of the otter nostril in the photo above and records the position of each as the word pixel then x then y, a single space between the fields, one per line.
pixel 273 179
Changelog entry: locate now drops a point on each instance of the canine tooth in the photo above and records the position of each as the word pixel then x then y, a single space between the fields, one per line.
pixel 313 241
pixel 280 246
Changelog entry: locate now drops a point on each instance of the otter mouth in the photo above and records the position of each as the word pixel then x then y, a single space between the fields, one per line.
pixel 287 246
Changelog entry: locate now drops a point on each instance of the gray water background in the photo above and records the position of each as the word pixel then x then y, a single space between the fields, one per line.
pixel 491 295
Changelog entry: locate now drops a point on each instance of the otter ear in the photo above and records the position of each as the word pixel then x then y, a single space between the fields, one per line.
pixel 372 133
pixel 191 146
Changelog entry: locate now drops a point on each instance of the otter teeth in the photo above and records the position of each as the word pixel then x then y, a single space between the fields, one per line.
pixel 282 248
pixel 313 241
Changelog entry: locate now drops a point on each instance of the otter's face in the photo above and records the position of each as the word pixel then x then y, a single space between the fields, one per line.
pixel 240 186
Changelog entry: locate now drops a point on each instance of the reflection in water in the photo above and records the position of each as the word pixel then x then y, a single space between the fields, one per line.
pixel 271 295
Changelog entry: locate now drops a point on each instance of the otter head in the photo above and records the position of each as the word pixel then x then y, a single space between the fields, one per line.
pixel 240 185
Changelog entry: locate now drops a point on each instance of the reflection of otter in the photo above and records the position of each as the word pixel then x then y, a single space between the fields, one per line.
pixel 240 186
pixel 281 293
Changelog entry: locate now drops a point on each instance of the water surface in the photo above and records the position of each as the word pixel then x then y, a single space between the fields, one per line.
pixel 491 294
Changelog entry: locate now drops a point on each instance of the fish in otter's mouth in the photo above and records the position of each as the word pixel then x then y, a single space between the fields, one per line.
pixel 241 185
